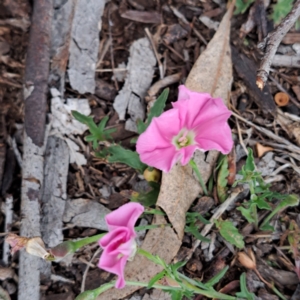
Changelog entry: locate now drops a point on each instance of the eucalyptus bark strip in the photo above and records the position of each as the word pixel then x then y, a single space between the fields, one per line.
pixel 35 98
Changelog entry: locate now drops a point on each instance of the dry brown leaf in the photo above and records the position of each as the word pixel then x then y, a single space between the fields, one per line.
pixel 160 241
pixel 212 73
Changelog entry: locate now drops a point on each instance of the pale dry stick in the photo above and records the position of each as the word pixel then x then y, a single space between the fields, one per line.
pixel 276 178
pixel 104 51
pixel 296 168
pixel 112 50
pixel 158 85
pixel 271 43
pixel 87 269
pixel 8 222
pixel 180 16
pixel 282 89
pixel 270 134
pixel 240 136
pixel 221 209
pixel 279 169
pixel 160 65
pixel 111 70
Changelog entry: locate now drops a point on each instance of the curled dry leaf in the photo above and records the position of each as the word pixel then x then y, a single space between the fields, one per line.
pixel 261 150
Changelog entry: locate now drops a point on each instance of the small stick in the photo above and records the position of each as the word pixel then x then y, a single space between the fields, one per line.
pixel 271 43
pixel 87 269
pixel 270 134
pixel 7 228
pixel 160 65
pixel 221 209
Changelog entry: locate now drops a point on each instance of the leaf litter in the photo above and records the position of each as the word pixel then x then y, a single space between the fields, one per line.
pixel 211 75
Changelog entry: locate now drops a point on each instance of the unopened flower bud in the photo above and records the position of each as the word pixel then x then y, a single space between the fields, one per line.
pixel 152 175
pixel 246 261
pixel 35 246
pixel 62 250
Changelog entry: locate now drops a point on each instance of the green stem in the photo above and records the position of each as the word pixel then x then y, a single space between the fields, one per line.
pixel 145 227
pixel 195 168
pixel 85 241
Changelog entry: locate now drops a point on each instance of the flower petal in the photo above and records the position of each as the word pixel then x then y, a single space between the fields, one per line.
pixel 161 158
pixel 190 105
pixel 214 135
pixel 114 265
pixel 126 215
pixel 187 153
pixel 160 132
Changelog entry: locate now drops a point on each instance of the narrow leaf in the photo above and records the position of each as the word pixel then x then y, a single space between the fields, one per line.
pixel 230 233
pixel 222 180
pixel 128 157
pixel 195 232
pixel 216 278
pixel 157 277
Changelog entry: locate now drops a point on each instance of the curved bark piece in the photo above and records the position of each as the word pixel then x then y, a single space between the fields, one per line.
pixel 35 90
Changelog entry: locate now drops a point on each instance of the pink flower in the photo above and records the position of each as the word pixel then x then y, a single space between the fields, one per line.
pixel 196 121
pixel 119 243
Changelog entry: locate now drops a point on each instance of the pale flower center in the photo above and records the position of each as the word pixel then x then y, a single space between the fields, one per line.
pixel 132 250
pixel 184 138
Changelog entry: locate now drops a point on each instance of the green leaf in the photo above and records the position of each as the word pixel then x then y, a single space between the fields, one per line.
pixel 195 232
pixel 155 111
pixel 192 217
pixel 98 133
pixel 222 180
pixel 216 278
pixel 157 277
pixel 83 118
pixel 247 213
pixel 128 157
pixel 244 293
pixel 242 6
pixel 250 165
pixel 281 9
pixel 176 295
pixel 262 204
pixel 230 233
pixel 288 201
pixel 148 199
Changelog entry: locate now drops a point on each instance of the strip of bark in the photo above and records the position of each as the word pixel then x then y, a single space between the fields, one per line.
pixel 35 91
pixel 271 43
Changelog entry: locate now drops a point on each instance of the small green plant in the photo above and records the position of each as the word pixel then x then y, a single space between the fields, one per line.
pixel 116 153
pixel 192 219
pixel 261 195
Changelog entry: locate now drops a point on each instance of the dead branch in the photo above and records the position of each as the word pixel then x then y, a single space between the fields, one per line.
pixel 271 43
pixel 35 91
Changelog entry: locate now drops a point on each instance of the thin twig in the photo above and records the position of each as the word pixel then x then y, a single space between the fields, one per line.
pixel 87 269
pixel 160 65
pixel 221 209
pixel 240 136
pixel 271 43
pixel 270 134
